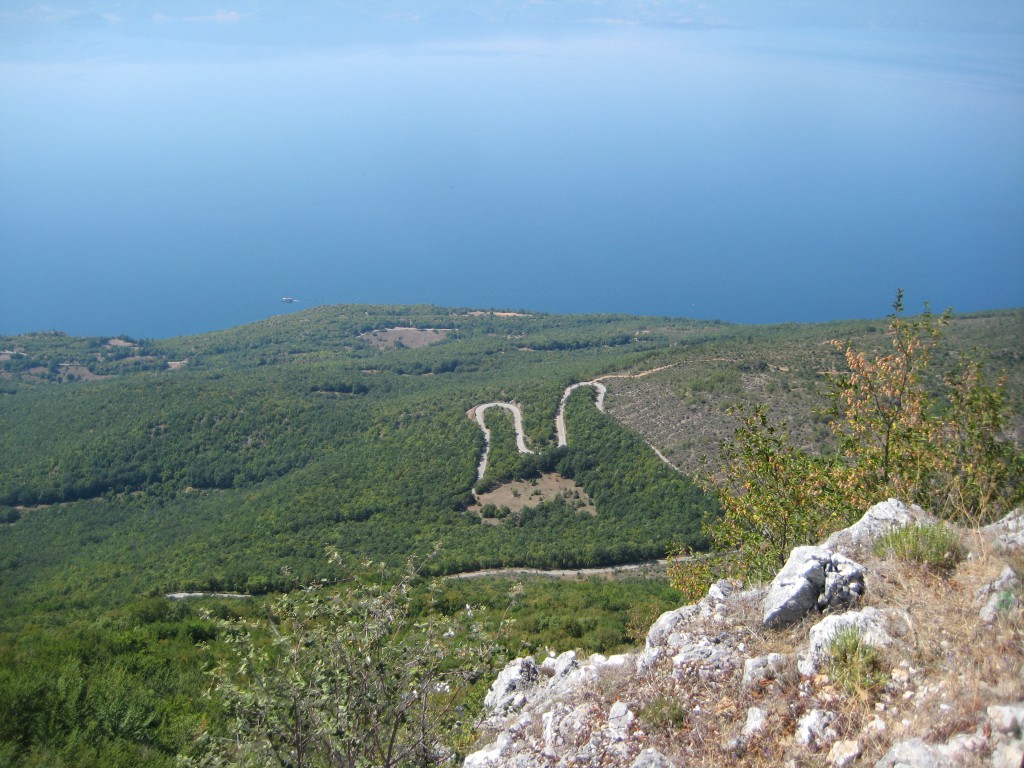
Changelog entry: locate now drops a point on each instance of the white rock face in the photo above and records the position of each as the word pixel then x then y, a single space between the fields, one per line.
pixel 999 596
pixel 914 753
pixel 1008 718
pixel 562 714
pixel 761 669
pixel 757 718
pixel 882 517
pixel 508 691
pixel 813 578
pixel 1009 755
pixel 652 758
pixel 870 623
pixel 844 753
pixel 1008 533
pixel 619 721
pixel 812 728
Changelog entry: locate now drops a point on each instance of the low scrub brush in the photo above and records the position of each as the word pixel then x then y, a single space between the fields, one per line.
pixel 935 546
pixel 855 666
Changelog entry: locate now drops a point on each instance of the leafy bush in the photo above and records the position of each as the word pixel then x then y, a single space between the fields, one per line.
pixel 692 574
pixel 894 440
pixel 854 665
pixel 937 547
pixel 348 679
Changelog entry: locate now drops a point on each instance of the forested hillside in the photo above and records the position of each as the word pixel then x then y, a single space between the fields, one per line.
pixel 230 461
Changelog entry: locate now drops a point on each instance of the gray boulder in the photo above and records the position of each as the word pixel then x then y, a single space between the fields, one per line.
pixel 963 749
pixel 652 758
pixel 759 670
pixel 914 753
pixel 1000 596
pixel 814 578
pixel 619 721
pixel 882 517
pixel 1007 534
pixel 757 719
pixel 870 623
pixel 812 730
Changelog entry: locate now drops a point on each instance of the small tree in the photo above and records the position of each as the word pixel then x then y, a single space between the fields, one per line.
pixel 980 471
pixel 880 412
pixel 345 678
pixel 774 497
pixel 894 439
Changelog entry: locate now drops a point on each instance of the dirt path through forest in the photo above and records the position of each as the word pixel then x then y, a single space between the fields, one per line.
pixel 478 412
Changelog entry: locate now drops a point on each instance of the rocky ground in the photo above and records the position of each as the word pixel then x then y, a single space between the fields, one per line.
pixel 749 676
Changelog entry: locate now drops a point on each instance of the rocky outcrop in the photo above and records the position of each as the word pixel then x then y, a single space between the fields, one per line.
pixel 1007 534
pixel 814 578
pixel 999 596
pixel 870 627
pixel 882 517
pixel 568 712
pixel 508 692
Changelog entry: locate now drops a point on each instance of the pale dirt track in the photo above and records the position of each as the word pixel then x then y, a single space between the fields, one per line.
pixel 653 566
pixel 478 412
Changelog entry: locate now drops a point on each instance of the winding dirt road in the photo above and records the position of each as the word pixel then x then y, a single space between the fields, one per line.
pixel 602 390
pixel 478 412
pixel 517 419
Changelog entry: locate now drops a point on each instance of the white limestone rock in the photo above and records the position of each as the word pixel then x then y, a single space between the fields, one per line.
pixel 490 756
pixel 999 596
pixel 509 690
pixel 619 721
pixel 760 669
pixel 651 758
pixel 844 753
pixel 1008 533
pixel 757 719
pixel 813 578
pixel 1007 719
pixel 882 517
pixel 812 729
pixel 1008 755
pixel 870 622
pixel 914 753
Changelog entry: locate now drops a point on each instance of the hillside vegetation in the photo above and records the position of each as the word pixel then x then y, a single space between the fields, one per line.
pixel 231 461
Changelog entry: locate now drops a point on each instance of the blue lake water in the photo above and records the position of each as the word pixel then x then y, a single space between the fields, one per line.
pixel 159 184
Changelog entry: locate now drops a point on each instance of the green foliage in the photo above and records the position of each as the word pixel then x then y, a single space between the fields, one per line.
pixel 880 410
pixel 692 574
pixel 893 440
pixel 345 678
pixel 897 440
pixel 774 497
pixel 935 546
pixel 980 471
pixel 114 692
pixel 277 438
pixel 664 713
pixel 856 666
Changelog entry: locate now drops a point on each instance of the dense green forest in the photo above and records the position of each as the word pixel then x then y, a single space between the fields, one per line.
pixel 230 461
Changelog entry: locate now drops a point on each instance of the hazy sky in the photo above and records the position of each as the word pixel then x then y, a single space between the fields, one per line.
pixel 175 167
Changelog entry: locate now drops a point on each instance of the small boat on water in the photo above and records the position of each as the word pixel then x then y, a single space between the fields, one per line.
pixel 289 300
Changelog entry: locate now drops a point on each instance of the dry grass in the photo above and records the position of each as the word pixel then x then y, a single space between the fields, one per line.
pixel 520 494
pixel 411 338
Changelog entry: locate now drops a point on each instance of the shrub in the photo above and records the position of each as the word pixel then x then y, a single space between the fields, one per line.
pixel 855 666
pixel 664 712
pixel 345 678
pixel 895 439
pixel 935 546
pixel 691 574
